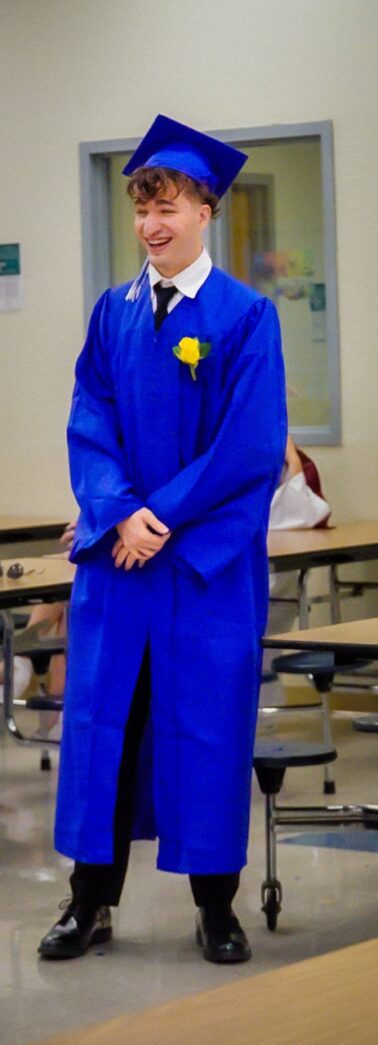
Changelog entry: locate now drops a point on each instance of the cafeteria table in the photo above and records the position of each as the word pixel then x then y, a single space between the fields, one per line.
pixel 355 639
pixel 330 998
pixel 304 550
pixel 22 528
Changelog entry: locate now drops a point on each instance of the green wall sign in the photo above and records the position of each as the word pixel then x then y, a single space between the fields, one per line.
pixel 10 264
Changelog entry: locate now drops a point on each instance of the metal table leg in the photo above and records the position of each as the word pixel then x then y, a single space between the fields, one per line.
pixel 334 595
pixel 302 585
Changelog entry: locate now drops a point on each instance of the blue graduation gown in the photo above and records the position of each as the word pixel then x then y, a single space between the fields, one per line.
pixel 205 456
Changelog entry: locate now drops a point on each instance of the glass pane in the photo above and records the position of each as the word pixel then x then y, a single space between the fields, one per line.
pixel 272 231
pixel 126 254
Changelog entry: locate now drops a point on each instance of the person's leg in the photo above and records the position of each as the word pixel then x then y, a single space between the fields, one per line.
pixel 50 725
pixel 22 673
pixel 96 887
pixel 101 884
pixel 22 665
pixel 218 931
pixel 214 890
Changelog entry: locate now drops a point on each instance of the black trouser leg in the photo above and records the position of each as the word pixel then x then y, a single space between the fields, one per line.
pixel 98 885
pixel 215 891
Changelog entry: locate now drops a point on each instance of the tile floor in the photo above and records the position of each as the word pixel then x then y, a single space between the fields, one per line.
pixel 330 900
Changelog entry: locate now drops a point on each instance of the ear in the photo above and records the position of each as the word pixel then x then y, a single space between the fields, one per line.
pixel 204 215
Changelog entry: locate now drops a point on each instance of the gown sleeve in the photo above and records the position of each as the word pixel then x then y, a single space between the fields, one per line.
pixel 219 502
pixel 96 456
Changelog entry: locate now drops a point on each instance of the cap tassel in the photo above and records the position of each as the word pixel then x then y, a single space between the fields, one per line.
pixel 135 289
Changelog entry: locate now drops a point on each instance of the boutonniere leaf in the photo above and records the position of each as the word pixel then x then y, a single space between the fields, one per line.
pixel 190 351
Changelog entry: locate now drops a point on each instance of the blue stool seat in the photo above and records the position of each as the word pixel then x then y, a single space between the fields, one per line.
pixel 285 753
pixel 322 666
pixel 271 758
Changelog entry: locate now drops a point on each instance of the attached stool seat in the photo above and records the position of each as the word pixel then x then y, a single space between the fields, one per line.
pixel 272 757
pixel 270 760
pixel 320 668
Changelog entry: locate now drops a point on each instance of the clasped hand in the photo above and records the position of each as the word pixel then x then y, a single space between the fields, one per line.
pixel 141 536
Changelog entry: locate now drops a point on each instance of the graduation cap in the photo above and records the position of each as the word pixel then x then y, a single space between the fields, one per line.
pixel 180 148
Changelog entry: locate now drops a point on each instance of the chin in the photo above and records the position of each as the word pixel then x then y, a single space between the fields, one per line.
pixel 157 258
pixel 165 265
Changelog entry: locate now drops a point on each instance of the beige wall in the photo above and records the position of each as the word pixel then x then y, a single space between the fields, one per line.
pixel 74 70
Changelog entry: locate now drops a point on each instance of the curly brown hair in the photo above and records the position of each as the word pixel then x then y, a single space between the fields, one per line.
pixel 148 182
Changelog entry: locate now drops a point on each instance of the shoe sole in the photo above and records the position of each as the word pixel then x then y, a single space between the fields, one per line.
pixel 99 936
pixel 231 959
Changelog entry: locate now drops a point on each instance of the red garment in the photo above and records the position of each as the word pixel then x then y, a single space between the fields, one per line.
pixel 312 478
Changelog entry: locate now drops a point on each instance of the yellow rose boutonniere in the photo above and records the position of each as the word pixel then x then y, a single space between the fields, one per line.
pixel 190 350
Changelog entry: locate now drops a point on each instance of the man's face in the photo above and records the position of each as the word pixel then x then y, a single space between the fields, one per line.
pixel 170 229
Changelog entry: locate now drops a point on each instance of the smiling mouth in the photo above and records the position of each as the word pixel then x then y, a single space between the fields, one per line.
pixel 158 244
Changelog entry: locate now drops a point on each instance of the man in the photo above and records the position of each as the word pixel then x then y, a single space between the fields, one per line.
pixel 177 435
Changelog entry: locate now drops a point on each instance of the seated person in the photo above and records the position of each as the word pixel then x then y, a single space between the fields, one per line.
pixel 298 504
pixel 55 614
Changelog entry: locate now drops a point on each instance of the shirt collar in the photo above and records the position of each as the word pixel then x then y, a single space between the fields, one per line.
pixel 189 280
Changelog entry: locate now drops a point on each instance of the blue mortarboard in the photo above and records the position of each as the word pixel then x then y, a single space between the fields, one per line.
pixel 181 148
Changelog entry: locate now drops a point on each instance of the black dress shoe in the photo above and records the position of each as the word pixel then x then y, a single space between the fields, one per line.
pixel 79 928
pixel 221 937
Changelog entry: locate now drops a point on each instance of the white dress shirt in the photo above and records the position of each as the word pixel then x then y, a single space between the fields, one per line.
pixel 188 282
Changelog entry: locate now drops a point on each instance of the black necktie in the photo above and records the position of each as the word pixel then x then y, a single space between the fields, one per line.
pixel 163 296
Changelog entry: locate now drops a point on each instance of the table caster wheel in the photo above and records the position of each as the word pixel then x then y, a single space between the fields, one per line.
pixel 272 897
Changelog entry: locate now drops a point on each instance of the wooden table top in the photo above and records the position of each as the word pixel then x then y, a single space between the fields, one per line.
pixel 332 998
pixel 46 577
pixel 347 542
pixel 358 637
pixel 30 527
